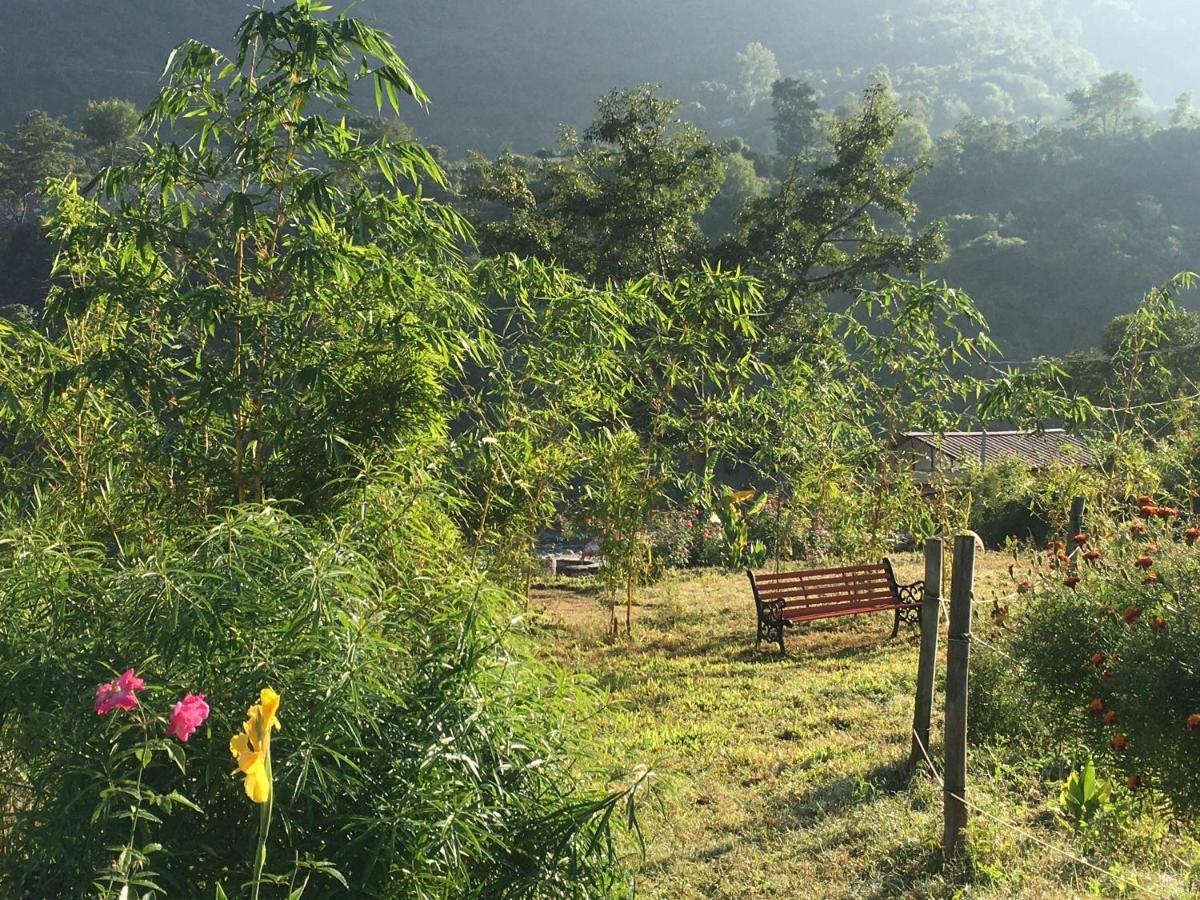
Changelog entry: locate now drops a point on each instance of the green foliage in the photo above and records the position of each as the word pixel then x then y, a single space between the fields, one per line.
pixel 1106 105
pixel 796 117
pixel 420 754
pixel 1104 669
pixel 108 124
pixel 834 229
pixel 238 293
pixel 40 147
pixel 1084 797
pixel 619 203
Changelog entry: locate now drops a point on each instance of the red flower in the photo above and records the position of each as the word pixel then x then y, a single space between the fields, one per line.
pixel 1024 587
pixel 1098 660
pixel 1080 538
pixel 1092 555
pixel 1192 535
pixel 1110 717
pixel 1071 581
pixel 1131 615
pixel 1118 743
pixel 1144 499
pixel 1096 706
pixel 1137 528
pixel 1107 673
pixel 1144 562
pixel 1151 578
pixel 1133 782
pixel 1158 623
pixel 1194 721
pixel 1149 512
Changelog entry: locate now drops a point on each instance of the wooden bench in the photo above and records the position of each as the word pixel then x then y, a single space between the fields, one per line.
pixel 785 598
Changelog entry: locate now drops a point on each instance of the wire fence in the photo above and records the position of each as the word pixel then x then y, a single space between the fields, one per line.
pixel 1030 836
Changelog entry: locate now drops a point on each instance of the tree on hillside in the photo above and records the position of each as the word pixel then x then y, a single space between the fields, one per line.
pixel 108 124
pixel 1184 114
pixel 758 70
pixel 619 203
pixel 795 116
pixel 837 228
pixel 1106 105
pixel 41 147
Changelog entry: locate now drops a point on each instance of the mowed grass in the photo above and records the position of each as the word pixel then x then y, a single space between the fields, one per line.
pixel 786 777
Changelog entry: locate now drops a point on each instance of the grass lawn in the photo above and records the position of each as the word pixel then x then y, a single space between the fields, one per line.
pixel 784 777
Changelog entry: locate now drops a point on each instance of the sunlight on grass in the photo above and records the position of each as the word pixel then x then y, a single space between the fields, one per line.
pixel 785 776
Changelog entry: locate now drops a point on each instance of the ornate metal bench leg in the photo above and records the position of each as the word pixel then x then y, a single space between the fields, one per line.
pixel 896 627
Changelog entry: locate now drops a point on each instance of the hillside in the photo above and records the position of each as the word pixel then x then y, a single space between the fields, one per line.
pixel 512 72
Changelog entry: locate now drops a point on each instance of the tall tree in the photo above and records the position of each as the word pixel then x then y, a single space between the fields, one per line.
pixel 1106 105
pixel 240 290
pixel 620 202
pixel 839 227
pixel 795 116
pixel 39 148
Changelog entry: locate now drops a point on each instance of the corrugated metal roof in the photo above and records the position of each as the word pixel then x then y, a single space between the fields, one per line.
pixel 1037 448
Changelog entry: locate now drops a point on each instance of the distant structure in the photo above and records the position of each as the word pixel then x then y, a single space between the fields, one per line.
pixel 951 452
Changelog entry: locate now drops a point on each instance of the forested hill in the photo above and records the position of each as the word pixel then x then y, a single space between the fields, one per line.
pixel 512 71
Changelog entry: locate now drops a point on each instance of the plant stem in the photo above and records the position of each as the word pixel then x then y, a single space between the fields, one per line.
pixel 264 828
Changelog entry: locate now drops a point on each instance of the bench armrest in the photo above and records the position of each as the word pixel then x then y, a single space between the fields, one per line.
pixel 911 593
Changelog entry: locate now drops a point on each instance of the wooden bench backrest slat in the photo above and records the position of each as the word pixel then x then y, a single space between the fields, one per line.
pixel 817 573
pixel 806 589
pixel 881 594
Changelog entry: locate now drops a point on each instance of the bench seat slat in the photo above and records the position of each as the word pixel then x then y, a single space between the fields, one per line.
pixel 833 612
pixel 883 591
pixel 862 578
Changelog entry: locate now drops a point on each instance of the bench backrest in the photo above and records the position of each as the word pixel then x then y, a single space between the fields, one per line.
pixel 821 591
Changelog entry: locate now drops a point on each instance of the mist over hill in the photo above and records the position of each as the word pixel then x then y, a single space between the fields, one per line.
pixel 511 72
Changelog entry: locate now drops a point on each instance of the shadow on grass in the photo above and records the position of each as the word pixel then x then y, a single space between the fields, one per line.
pixel 838 795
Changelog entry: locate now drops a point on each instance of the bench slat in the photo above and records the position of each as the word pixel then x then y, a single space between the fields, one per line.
pixel 801 588
pixel 878 596
pixel 816 573
pixel 834 612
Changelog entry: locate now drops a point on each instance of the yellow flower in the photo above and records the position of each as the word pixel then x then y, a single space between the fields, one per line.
pixel 252 746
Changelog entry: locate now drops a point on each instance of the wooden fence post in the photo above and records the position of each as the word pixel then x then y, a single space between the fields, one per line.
pixel 958 656
pixel 927 664
pixel 1075 526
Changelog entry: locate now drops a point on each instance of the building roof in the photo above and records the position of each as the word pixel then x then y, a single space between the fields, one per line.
pixel 1037 448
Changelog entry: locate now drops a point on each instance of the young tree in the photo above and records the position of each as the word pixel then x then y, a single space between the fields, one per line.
pixel 41 147
pixel 109 124
pixel 758 70
pixel 239 287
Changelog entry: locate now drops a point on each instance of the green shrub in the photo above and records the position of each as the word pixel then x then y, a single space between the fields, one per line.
pixel 1107 668
pixel 420 755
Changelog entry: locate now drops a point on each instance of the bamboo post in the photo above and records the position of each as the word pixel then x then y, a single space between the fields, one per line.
pixel 958 656
pixel 927 664
pixel 1075 526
